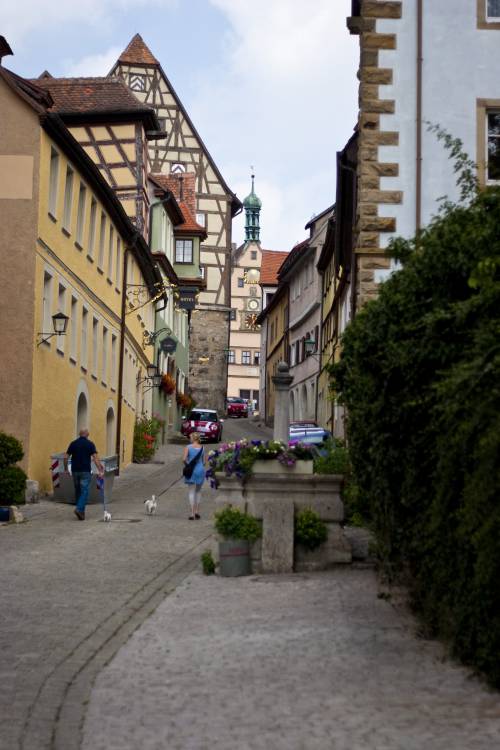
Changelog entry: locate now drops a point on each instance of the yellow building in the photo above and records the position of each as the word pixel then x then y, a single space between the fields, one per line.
pixel 66 247
pixel 275 318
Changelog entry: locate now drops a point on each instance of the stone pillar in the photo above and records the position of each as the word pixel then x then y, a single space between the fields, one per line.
pixel 282 382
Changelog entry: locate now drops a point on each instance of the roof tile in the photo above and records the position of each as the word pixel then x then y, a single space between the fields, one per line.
pixel 137 51
pixel 75 95
pixel 270 265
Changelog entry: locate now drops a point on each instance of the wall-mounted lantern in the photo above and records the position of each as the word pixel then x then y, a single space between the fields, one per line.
pixel 59 323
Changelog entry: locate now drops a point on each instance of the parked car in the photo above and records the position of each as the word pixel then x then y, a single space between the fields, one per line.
pixel 309 432
pixel 204 421
pixel 237 407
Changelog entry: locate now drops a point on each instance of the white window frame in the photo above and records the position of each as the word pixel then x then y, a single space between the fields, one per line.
pixel 84 338
pixel 80 216
pixel 180 257
pixel 48 280
pixel 95 346
pixel 491 19
pixel 92 226
pixel 53 181
pixel 243 357
pixel 68 198
pixel 111 245
pixel 231 357
pixel 104 369
pixel 118 269
pixel 73 331
pixel 61 307
pixel 102 240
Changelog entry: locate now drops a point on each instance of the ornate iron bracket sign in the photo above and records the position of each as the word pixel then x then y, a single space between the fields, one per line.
pixel 186 297
pixel 168 345
pixel 149 337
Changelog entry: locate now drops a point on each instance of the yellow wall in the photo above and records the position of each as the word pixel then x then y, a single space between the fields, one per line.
pixel 276 347
pixel 62 369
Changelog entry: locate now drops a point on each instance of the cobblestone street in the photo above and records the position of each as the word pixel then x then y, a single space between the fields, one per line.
pixel 113 639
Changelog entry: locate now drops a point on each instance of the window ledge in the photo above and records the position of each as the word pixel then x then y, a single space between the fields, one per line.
pixel 72 359
pixel 52 217
pixel 109 281
pixel 103 382
pixel 60 352
pixel 83 369
pixel 78 246
pixel 66 232
pixel 113 389
pixel 118 291
pixel 90 258
pixel 99 270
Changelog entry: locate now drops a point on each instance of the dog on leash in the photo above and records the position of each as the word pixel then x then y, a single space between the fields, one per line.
pixel 151 505
pixel 107 516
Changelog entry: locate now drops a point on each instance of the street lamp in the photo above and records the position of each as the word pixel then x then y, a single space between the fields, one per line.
pixel 59 323
pixel 152 371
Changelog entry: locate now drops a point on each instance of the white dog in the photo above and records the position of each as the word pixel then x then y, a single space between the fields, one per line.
pixel 151 505
pixel 107 516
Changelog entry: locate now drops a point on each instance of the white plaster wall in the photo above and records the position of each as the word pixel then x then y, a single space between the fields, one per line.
pixel 461 64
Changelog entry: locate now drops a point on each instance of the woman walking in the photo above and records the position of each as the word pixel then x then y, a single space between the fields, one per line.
pixel 194 456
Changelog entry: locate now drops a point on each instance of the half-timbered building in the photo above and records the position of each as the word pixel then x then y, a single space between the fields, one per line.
pixel 183 151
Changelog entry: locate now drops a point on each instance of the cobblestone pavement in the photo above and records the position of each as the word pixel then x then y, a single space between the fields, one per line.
pixel 72 593
pixel 305 662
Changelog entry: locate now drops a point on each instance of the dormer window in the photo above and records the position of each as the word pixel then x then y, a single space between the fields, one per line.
pixel 184 251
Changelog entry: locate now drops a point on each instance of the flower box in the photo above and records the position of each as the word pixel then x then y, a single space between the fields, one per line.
pixel 272 466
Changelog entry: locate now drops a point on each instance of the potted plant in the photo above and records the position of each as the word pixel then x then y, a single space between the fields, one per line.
pixel 310 534
pixel 12 477
pixel 238 531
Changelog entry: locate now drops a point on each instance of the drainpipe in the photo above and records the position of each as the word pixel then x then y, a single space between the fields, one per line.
pixel 121 358
pixel 418 175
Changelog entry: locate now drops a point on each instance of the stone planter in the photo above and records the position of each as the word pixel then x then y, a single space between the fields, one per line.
pixel 272 466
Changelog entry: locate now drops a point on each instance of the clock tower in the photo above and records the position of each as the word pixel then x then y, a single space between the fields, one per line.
pixel 246 304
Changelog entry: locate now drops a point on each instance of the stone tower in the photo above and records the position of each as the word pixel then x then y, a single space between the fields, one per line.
pixel 182 150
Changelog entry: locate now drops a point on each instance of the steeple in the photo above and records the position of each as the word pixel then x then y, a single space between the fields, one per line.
pixel 252 205
pixel 137 52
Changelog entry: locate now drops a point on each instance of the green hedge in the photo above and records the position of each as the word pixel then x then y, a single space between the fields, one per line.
pixel 12 478
pixel 420 376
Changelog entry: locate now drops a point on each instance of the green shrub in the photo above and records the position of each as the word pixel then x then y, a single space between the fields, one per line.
pixel 310 530
pixel 335 460
pixel 208 563
pixel 231 523
pixel 12 485
pixel 146 430
pixel 11 450
pixel 420 374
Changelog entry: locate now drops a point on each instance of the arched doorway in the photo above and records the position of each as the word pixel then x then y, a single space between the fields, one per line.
pixel 82 413
pixel 110 431
pixel 303 402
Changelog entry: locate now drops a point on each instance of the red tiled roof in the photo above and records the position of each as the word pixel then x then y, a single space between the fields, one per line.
pixel 172 183
pixel 137 51
pixel 270 265
pixel 189 226
pixel 85 95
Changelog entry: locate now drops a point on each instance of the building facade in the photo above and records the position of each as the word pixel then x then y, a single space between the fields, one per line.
pixel 270 265
pixel 246 304
pixel 413 73
pixel 276 344
pixel 57 213
pixel 181 150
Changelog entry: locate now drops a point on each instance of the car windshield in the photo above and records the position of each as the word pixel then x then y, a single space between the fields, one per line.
pixel 303 426
pixel 236 401
pixel 203 416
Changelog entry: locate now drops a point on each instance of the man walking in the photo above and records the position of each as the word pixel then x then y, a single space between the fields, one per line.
pixel 82 452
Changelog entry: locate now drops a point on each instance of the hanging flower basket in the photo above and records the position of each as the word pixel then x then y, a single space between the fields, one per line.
pixel 167 384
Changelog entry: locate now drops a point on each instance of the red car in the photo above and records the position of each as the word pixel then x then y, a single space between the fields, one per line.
pixel 237 407
pixel 204 421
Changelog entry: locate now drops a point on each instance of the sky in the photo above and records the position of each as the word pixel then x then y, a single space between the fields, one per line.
pixel 268 83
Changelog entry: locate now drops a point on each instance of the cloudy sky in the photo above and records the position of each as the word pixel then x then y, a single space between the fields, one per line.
pixel 269 83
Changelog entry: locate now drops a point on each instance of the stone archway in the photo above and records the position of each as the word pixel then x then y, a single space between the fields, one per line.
pixel 110 431
pixel 82 413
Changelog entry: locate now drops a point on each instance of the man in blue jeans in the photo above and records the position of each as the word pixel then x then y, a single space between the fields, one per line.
pixel 82 452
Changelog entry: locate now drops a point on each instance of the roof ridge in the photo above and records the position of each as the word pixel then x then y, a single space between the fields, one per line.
pixel 137 51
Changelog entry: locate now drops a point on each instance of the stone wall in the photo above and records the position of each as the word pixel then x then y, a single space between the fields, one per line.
pixel 208 340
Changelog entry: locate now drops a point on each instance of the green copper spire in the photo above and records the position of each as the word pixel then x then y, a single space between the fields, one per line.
pixel 252 205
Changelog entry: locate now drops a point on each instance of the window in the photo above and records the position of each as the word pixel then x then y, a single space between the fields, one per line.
pixel 102 240
pixel 231 357
pixel 61 307
pixel 493 157
pixel 113 360
pixel 111 252
pixel 201 219
pixel 80 217
pixel 93 217
pixel 118 262
pixel 184 251
pixel 269 296
pixel 104 355
pixel 95 333
pixel 84 337
pixel 53 177
pixel 47 304
pixel 297 352
pixel 233 313
pixel 241 283
pixel 68 199
pixel 73 329
pixel 244 393
pixel 245 358
pixel 256 358
pixel 493 10
pixel 253 254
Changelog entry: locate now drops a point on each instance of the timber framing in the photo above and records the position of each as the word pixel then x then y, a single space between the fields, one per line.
pixel 370 225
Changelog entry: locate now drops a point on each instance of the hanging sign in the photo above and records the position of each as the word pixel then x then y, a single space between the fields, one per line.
pixel 168 345
pixel 187 298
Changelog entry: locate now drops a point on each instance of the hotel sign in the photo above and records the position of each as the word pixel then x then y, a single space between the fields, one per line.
pixel 186 299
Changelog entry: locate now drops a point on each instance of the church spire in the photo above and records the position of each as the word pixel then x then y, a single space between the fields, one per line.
pixel 252 205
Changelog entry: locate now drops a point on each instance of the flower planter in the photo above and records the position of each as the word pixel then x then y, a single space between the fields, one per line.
pixel 234 558
pixel 272 466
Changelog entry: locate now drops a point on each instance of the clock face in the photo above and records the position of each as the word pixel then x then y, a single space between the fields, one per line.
pixel 251 322
pixel 253 304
